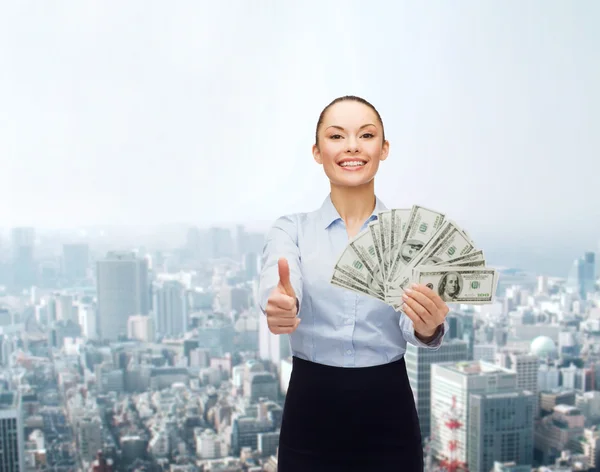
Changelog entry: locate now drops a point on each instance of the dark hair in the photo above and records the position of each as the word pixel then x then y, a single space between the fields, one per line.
pixel 343 99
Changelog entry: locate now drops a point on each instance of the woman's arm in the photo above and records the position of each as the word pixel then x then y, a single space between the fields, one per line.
pixel 408 329
pixel 281 241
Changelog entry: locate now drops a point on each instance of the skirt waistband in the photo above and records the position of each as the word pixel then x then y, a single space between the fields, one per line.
pixel 363 375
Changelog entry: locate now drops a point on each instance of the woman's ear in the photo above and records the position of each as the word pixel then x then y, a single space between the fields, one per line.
pixel 385 150
pixel 317 154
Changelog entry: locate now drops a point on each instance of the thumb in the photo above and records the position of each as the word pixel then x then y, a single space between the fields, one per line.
pixel 284 277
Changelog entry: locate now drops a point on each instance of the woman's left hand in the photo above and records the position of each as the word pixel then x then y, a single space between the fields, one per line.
pixel 425 308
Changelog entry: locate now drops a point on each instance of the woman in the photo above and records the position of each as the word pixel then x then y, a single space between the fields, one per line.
pixel 349 405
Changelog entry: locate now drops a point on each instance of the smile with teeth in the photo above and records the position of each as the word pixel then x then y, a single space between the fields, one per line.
pixel 352 164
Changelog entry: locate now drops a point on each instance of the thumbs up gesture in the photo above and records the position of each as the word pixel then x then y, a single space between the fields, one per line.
pixel 281 306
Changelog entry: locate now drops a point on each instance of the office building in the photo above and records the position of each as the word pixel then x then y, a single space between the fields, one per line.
pixel 12 441
pixel 122 292
pixel 453 386
pixel 418 365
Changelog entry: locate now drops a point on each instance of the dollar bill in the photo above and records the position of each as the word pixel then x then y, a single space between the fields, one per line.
pixel 475 258
pixel 448 243
pixel 364 247
pixel 375 229
pixel 343 281
pixel 398 220
pixel 466 264
pixel 453 284
pixel 404 244
pixel 385 220
pixel 422 224
pixel 352 265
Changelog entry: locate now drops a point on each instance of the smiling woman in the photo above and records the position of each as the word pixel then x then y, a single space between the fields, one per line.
pixel 349 405
pixel 350 143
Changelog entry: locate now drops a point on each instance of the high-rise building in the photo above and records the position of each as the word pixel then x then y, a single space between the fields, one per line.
pixel 589 272
pixel 123 290
pixel 240 241
pixel 461 326
pixel 88 320
pixel 12 440
pixel 65 310
pixel 23 264
pixel 542 284
pixel 500 429
pixel 418 366
pixel 141 327
pixel 455 433
pixel 582 276
pixel 527 367
pixel 170 307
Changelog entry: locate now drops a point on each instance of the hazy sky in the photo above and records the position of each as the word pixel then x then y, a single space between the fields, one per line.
pixel 201 112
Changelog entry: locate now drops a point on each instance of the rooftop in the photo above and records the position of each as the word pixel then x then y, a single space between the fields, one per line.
pixel 477 368
pixel 8 400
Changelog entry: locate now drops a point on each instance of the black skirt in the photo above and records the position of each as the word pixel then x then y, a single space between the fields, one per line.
pixel 349 419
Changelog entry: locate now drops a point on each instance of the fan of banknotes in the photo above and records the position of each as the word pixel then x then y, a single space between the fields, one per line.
pixel 415 245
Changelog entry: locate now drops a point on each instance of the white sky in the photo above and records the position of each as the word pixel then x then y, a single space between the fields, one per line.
pixel 144 112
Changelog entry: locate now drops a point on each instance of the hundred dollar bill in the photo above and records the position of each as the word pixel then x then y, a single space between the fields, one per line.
pixel 351 265
pixel 375 228
pixel 444 244
pixel 385 220
pixel 422 224
pixel 363 245
pixel 472 286
pixel 474 257
pixel 345 282
pixel 398 220
pixel 448 243
pixel 342 277
pixel 465 264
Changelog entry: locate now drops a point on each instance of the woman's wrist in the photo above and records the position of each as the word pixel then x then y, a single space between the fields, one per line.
pixel 428 337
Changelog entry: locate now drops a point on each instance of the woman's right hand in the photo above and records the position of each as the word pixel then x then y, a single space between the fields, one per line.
pixel 282 304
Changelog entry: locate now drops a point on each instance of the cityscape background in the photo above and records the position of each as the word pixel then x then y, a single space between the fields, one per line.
pixel 147 147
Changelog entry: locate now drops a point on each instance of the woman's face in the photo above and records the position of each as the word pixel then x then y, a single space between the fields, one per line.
pixel 350 144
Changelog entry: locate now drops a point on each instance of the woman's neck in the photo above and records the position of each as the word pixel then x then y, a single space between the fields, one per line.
pixel 354 204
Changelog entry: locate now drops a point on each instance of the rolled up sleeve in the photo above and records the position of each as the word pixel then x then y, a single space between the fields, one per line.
pixel 281 241
pixel 407 326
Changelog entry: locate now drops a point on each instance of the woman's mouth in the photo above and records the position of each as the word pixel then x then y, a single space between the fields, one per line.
pixel 352 164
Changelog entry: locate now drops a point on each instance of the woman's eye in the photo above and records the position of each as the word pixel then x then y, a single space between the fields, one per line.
pixel 368 135
pixel 335 136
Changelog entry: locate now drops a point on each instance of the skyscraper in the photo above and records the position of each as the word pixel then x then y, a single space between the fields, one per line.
pixel 527 367
pixel 23 264
pixel 122 280
pixel 589 272
pixel 170 307
pixel 453 385
pixel 500 429
pixel 582 276
pixel 12 441
pixel 418 366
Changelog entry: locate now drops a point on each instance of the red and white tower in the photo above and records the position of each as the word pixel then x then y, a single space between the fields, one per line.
pixel 453 421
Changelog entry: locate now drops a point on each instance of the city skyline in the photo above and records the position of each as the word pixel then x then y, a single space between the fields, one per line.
pixel 169 118
pixel 532 255
pixel 146 150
